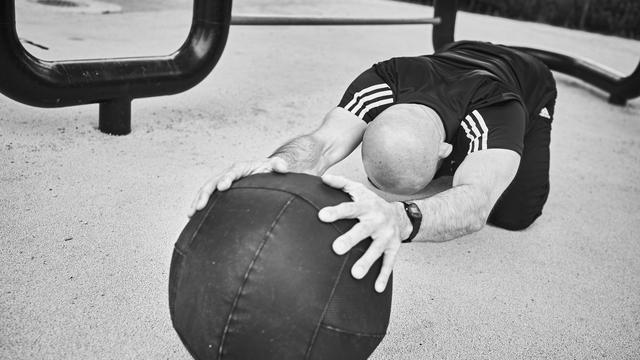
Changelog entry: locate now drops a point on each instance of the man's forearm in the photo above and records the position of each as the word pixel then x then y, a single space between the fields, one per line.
pixel 450 214
pixel 302 154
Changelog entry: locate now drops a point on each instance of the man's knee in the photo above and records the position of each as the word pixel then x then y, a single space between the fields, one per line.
pixel 513 222
pixel 514 211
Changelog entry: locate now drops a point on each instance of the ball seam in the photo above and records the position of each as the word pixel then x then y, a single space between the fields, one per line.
pixel 355 333
pixel 326 307
pixel 246 274
pixel 210 206
pixel 310 202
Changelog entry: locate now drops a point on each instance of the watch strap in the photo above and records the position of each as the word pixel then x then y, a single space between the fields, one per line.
pixel 415 219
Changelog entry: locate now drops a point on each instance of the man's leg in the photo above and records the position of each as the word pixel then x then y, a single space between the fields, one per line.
pixel 523 200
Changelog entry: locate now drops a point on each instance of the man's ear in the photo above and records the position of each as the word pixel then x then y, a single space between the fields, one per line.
pixel 444 150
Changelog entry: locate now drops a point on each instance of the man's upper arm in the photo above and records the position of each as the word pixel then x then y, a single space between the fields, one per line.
pixel 493 141
pixel 343 127
pixel 489 172
pixel 340 133
pixel 367 96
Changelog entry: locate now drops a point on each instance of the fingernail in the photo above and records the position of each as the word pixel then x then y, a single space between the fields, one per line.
pixel 339 248
pixel 324 215
pixel 358 272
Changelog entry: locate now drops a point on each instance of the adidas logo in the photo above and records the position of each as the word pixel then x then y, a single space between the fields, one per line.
pixel 545 113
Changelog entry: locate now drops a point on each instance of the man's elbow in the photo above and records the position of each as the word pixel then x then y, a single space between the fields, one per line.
pixel 481 215
pixel 476 223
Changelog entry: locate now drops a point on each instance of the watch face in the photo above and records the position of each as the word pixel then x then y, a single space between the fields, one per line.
pixel 414 211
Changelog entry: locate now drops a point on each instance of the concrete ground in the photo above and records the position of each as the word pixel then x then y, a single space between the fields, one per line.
pixel 88 221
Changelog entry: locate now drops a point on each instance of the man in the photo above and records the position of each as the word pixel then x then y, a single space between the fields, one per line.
pixel 477 111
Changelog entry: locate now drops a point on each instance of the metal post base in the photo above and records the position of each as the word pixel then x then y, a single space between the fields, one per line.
pixel 617 100
pixel 115 117
pixel 443 33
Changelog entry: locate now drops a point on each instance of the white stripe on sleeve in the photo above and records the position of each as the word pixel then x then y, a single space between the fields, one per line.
pixel 476 132
pixel 364 91
pixel 376 95
pixel 374 105
pixel 468 133
pixel 483 126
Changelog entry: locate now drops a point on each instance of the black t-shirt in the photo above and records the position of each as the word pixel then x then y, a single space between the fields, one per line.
pixel 458 82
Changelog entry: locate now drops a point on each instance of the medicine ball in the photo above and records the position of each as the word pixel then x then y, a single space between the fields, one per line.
pixel 253 277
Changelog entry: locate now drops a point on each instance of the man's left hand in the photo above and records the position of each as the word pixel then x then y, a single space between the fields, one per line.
pixel 386 223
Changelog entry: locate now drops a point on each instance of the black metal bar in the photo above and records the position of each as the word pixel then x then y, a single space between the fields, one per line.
pixel 112 82
pixel 115 117
pixel 287 20
pixel 620 88
pixel 443 33
pixel 627 88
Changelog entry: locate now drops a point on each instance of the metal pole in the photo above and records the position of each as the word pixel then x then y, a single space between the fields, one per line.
pixel 115 117
pixel 286 20
pixel 443 33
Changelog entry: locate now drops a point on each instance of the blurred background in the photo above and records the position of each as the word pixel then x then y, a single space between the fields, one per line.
pixel 611 17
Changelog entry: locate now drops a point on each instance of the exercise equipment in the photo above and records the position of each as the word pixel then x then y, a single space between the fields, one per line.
pixel 253 276
pixel 114 83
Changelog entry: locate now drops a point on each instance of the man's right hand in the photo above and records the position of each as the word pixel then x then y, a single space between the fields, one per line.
pixel 235 172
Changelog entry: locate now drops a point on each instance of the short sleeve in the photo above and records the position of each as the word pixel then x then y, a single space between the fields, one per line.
pixel 500 126
pixel 367 96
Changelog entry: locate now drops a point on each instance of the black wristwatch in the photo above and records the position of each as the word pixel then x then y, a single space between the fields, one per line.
pixel 415 217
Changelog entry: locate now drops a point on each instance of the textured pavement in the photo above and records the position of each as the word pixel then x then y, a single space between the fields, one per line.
pixel 88 221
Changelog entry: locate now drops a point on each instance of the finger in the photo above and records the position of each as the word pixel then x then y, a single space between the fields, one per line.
pixel 388 260
pixel 203 196
pixel 203 199
pixel 194 206
pixel 279 165
pixel 240 170
pixel 346 241
pixel 342 183
pixel 224 183
pixel 236 172
pixel 362 266
pixel 345 210
pixel 194 203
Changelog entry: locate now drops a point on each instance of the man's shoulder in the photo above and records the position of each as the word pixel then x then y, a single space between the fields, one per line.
pixel 398 67
pixel 466 44
pixel 408 60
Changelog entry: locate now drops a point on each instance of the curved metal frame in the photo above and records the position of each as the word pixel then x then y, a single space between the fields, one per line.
pixel 112 83
pixel 620 88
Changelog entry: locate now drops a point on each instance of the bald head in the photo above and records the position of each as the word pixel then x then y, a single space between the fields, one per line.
pixel 402 147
